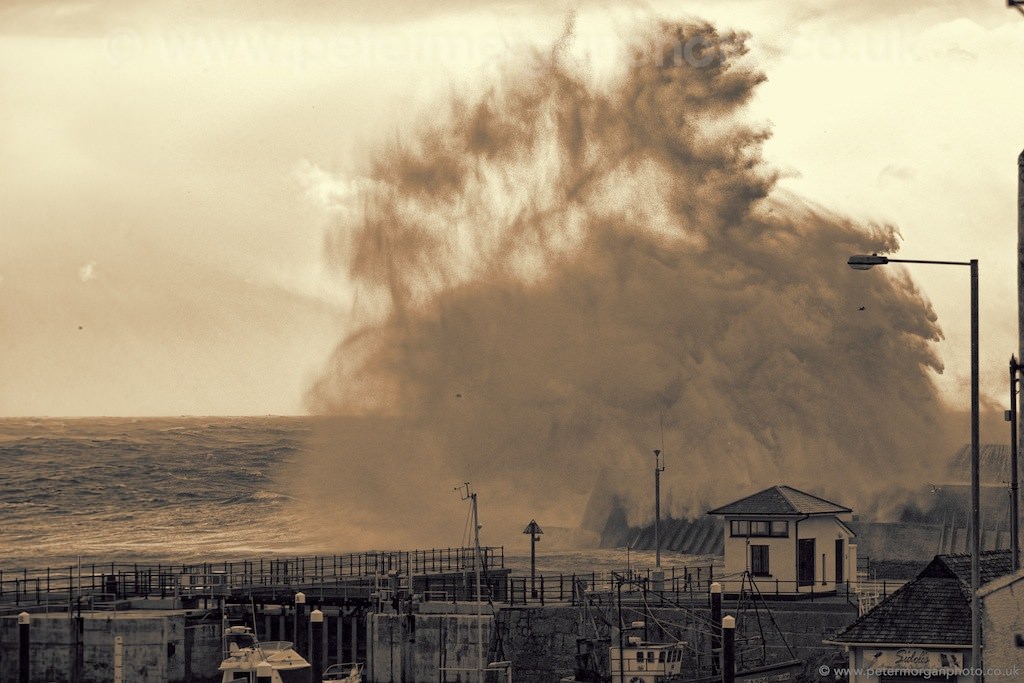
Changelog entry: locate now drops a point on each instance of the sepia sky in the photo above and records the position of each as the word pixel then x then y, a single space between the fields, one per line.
pixel 168 177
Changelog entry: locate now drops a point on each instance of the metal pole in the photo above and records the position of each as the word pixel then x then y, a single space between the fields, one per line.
pixel 1019 441
pixel 716 626
pixel 863 262
pixel 533 565
pixel 1014 493
pixel 618 603
pixel 657 506
pixel 479 618
pixel 976 663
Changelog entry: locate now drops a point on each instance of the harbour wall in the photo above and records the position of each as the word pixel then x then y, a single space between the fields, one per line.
pixel 161 642
pixel 543 644
pixel 438 642
pixel 159 646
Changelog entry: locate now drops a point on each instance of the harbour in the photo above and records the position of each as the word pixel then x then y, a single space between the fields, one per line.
pixel 297 292
pixel 405 616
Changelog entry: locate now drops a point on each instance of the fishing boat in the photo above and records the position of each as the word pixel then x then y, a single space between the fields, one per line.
pixel 344 673
pixel 247 659
pixel 638 661
pixel 689 650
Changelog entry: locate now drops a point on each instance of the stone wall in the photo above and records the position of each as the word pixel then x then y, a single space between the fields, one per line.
pixel 407 648
pixel 543 642
pixel 158 648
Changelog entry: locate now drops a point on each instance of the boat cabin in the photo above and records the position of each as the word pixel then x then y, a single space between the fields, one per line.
pixel 642 662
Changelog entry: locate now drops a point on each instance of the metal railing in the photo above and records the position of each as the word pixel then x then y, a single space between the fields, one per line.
pixel 124 580
pixel 687 585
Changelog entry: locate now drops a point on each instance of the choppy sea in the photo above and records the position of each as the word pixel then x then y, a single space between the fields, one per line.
pixel 176 490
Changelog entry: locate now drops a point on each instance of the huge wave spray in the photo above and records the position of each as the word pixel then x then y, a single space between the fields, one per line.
pixel 563 275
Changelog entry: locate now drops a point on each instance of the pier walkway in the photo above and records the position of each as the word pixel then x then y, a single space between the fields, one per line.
pixel 433 575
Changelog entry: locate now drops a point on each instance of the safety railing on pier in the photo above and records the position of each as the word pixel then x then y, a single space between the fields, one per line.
pixel 684 584
pixel 126 580
pixel 435 575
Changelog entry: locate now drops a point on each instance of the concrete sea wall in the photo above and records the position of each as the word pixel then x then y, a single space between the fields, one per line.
pixel 544 643
pixel 159 646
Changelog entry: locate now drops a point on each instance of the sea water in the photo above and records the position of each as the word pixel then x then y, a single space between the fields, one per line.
pixel 183 490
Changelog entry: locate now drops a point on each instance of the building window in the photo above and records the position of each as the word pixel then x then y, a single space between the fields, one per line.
pixel 759 560
pixel 759 528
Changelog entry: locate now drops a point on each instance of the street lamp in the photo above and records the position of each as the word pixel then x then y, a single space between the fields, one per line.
pixel 534 530
pixel 864 262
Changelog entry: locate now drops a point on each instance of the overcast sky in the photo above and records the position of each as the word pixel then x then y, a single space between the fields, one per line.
pixel 168 177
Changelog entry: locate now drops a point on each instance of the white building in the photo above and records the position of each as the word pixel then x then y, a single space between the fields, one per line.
pixel 790 542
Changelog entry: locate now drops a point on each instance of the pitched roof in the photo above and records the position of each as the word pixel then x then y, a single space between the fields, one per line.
pixel 934 608
pixel 780 500
pixel 928 610
pixel 992 565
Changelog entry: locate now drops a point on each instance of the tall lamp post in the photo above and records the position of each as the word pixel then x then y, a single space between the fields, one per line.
pixel 534 530
pixel 864 262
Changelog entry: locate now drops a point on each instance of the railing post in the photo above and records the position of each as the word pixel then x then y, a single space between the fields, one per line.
pixel 542 590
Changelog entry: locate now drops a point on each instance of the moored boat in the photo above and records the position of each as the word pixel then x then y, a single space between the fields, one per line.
pixel 249 660
pixel 345 673
pixel 638 661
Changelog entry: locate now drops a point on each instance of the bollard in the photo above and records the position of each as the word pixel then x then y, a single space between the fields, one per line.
pixel 24 624
pixel 316 622
pixel 716 624
pixel 728 649
pixel 300 622
pixel 264 672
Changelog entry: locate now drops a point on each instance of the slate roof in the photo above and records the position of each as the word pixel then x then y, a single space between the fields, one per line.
pixel 933 609
pixel 780 500
pixel 993 564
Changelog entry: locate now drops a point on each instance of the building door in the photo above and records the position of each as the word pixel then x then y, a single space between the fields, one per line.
pixel 839 561
pixel 805 561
